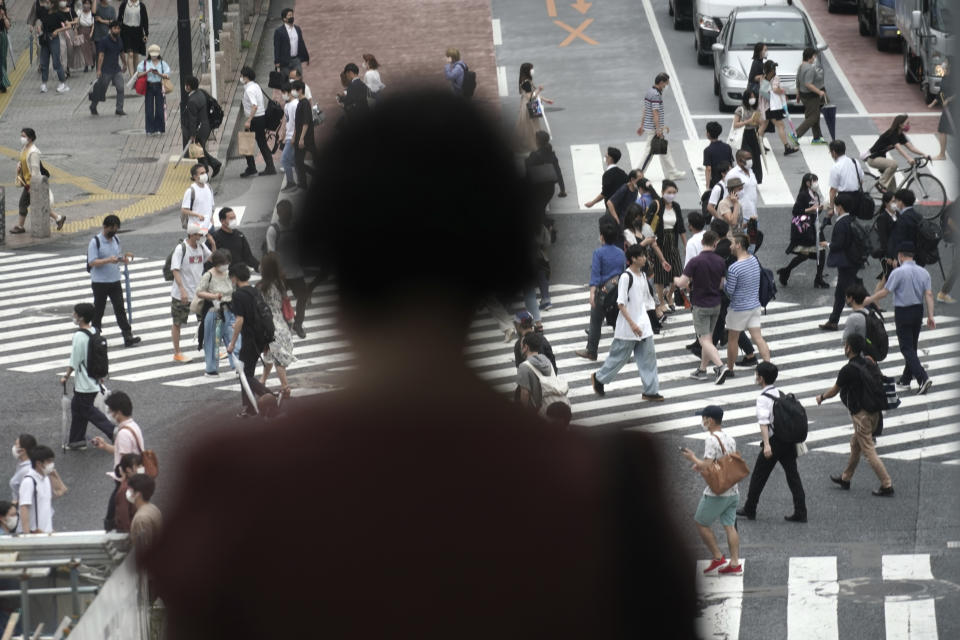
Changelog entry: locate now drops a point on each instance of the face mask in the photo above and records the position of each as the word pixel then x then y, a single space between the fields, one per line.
pixel 704 425
pixel 48 468
pixel 906 128
pixel 23 141
pixel 130 496
pixel 15 451
pixel 203 178
pixel 233 224
pixel 75 320
pixel 63 5
pixel 752 101
pixel 11 522
pixel 290 20
pixel 286 97
pixel 531 73
pixel 222 269
pixel 294 94
pixel 814 185
pixel 141 469
pixel 669 196
pixel 749 163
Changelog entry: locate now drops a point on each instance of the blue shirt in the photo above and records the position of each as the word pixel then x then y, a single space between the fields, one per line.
pixel 111 50
pixel 743 284
pixel 160 66
pixel 608 262
pixel 109 272
pixel 908 283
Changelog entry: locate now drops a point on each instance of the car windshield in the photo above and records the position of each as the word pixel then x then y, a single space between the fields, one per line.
pixel 788 33
pixel 940 15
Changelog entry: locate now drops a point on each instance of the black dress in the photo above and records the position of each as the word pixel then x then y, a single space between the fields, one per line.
pixel 668 240
pixel 134 38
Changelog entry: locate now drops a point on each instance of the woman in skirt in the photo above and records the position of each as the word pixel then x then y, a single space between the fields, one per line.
pixel 804 230
pixel 84 50
pixel 134 30
pixel 666 220
pixel 531 118
pixel 280 353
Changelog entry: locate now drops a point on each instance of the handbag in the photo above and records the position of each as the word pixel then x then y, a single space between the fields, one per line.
pixel 246 144
pixel 287 308
pixel 726 471
pixel 658 146
pixel 544 173
pixel 194 150
pixel 140 86
pixel 276 80
pixel 534 108
pixel 148 456
pixel 167 85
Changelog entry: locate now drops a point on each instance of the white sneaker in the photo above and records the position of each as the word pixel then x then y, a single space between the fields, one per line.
pixel 63 88
pixel 677 175
pixel 43 87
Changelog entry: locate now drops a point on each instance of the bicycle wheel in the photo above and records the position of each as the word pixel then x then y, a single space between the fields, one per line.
pixel 931 195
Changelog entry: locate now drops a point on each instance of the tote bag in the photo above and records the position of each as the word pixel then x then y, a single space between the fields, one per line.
pixel 725 471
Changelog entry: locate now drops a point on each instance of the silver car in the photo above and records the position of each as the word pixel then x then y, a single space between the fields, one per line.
pixel 785 30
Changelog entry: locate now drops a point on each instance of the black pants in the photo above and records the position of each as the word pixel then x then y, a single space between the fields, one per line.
pixel 846 276
pixel 909 320
pixel 302 292
pixel 114 291
pixel 82 412
pixel 786 455
pixel 110 521
pixel 596 324
pixel 800 258
pixel 207 160
pixel 249 359
pixel 300 161
pixel 259 127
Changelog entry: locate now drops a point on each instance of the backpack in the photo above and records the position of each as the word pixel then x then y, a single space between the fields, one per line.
pixel 96 364
pixel 873 397
pixel 610 292
pixel 273 112
pixel 97 240
pixel 705 199
pixel 768 286
pixel 214 111
pixel 929 234
pixel 469 85
pixel 167 264
pixel 789 418
pixel 263 328
pixel 878 343
pixel 553 390
pixel 862 242
pixel 264 250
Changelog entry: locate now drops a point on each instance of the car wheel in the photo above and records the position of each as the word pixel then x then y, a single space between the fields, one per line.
pixel 863 21
pixel 716 85
pixel 908 66
pixel 830 7
pixel 677 22
pixel 723 106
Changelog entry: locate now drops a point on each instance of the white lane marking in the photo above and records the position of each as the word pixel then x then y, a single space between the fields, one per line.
pixel 812 591
pixel 587 172
pixel 925 452
pixel 834 64
pixel 694 150
pixel 774 190
pixel 497 35
pixel 502 81
pixel 723 597
pixel 903 438
pixel 925 114
pixel 654 172
pixel 675 85
pixel 819 162
pixel 907 619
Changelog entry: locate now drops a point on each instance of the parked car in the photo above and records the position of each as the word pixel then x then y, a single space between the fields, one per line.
pixel 708 19
pixel 834 6
pixel 925 28
pixel 879 18
pixel 682 13
pixel 785 30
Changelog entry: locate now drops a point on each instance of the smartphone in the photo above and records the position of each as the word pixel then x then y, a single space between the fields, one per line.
pixel 681 449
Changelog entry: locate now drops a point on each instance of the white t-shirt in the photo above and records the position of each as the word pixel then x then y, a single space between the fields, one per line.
pixel 712 451
pixel 776 100
pixel 718 193
pixel 631 237
pixel 694 247
pixel 253 97
pixel 202 203
pixel 41 514
pixel 189 262
pixel 126 442
pixel 669 218
pixel 748 196
pixel 637 300
pixel 294 40
pixel 844 174
pixel 765 407
pixel 290 110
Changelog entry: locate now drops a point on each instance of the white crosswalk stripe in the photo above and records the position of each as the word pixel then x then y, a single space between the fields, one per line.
pixel 813 594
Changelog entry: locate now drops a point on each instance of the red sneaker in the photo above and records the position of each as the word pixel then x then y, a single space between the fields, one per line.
pixel 716 563
pixel 731 570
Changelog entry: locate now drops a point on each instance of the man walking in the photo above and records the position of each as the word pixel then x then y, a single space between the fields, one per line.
pixel 633 335
pixel 910 285
pixel 846 174
pixel 86 384
pixel 187 266
pixel 195 121
pixel 704 275
pixel 198 204
pixel 811 94
pixel 255 109
pixel 128 439
pixel 772 452
pixel 354 102
pixel 743 289
pixel 289 48
pixel 715 154
pixel 860 386
pixel 613 178
pixel 303 136
pixel 109 70
pixel 244 305
pixel 713 507
pixel 147 521
pixel 288 155
pixel 606 265
pixel 695 224
pixel 229 237
pixel 623 197
pixel 654 123
pixel 846 255
pixel 103 259
pixel 36 493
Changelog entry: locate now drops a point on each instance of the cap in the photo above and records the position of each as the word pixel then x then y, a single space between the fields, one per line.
pixel 523 318
pixel 153 49
pixel 733 183
pixel 712 411
pixel 194 227
pixel 906 247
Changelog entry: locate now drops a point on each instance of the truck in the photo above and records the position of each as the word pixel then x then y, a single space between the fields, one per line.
pixel 924 26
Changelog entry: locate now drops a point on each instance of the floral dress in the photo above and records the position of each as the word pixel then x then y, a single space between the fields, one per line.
pixel 281 349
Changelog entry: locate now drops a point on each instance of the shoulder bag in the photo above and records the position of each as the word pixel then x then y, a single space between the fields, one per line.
pixel 658 146
pixel 148 456
pixel 724 472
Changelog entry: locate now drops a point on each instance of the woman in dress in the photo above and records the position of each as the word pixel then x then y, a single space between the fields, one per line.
pixel 156 70
pixel 532 117
pixel 371 75
pixel 4 47
pixel 750 118
pixel 216 291
pixel 280 353
pixel 804 229
pixel 776 98
pixel 134 30
pixel 84 49
pixel 666 220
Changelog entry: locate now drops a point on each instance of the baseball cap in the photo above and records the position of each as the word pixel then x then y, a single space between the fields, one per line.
pixel 194 227
pixel 524 319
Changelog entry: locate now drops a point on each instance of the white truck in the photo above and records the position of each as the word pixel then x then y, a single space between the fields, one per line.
pixel 925 28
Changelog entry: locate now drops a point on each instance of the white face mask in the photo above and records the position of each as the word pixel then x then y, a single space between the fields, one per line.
pixel 222 269
pixel 141 469
pixel 129 495
pixel 23 141
pixel 669 197
pixel 294 93
pixel 48 468
pixel 11 522
pixel 749 163
pixel 752 101
pixel 15 450
pixel 531 74
pixel 233 224
pixel 814 186
pixel 703 423
pixel 112 418
pixel 203 178
pixel 63 5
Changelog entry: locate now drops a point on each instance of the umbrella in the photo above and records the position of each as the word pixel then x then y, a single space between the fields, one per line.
pixel 64 416
pixel 786 116
pixel 126 277
pixel 829 112
pixel 244 383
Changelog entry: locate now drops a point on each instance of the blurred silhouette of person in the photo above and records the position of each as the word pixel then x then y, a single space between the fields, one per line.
pixel 417 501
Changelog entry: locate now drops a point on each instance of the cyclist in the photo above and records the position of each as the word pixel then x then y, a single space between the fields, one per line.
pixel 893 138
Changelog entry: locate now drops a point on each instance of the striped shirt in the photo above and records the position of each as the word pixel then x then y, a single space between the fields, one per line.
pixel 653 100
pixel 743 284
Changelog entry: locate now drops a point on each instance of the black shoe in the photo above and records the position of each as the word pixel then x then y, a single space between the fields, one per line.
pixel 216 170
pixel 884 492
pixel 844 484
pixel 787 152
pixel 583 353
pixel 821 284
pixel 131 341
pixel 597 387
pixel 784 275
pixel 79 445
pixel 249 172
pixel 746 362
pixel 299 331
pixel 60 222
pixel 652 397
pixel 269 171
pixel 796 517
pixel 924 387
pixel 93 109
pixel 120 113
pixel 749 515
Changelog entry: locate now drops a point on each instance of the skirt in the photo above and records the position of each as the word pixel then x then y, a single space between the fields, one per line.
pixel 672 255
pixel 133 39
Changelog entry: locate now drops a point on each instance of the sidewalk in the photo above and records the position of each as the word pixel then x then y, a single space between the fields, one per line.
pixel 99 164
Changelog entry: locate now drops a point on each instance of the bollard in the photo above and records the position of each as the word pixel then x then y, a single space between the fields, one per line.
pixel 3 215
pixel 39 207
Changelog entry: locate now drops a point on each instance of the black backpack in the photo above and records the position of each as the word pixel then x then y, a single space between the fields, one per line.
pixel 96 364
pixel 789 418
pixel 929 234
pixel 262 321
pixel 768 286
pixel 878 343
pixel 214 111
pixel 168 263
pixel 858 245
pixel 610 292
pixel 469 85
pixel 873 397
pixel 273 112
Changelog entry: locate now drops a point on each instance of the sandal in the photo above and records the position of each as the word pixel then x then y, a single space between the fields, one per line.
pixel 18 229
pixel 60 222
pixel 285 392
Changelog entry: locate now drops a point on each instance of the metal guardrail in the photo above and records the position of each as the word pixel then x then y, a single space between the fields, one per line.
pixel 25 575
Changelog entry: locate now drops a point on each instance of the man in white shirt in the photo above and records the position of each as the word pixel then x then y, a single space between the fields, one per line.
pixel 719 190
pixel 36 493
pixel 288 158
pixel 633 335
pixel 695 223
pixel 255 109
pixel 846 174
pixel 744 172
pixel 187 266
pixel 21 451
pixel 198 203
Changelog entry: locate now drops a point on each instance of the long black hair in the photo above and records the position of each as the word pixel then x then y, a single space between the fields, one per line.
pixel 525 74
pixel 807 177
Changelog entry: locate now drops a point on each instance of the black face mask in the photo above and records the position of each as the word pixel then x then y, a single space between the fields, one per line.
pixel 289 20
pixel 110 234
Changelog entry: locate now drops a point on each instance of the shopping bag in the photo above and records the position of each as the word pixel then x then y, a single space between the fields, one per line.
pixel 167 85
pixel 194 150
pixel 246 144
pixel 140 85
pixel 287 309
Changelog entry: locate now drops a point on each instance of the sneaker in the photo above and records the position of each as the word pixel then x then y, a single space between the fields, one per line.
pixel 819 141
pixel 181 357
pixel 747 362
pixel 677 175
pixel 79 445
pixel 268 172
pixel 652 397
pixel 945 298
pixel 300 332
pixel 544 306
pixel 903 383
pixel 248 172
pixel 883 492
pixel 597 386
pixel 793 138
pixel 749 515
pixel 43 88
pixel 796 517
pixel 699 374
pixel 731 570
pixel 720 374
pixel 120 113
pixel 62 88
pixel 583 353
pixel 715 564
pixel 829 326
pixel 790 150
pixel 93 109
pixel 924 387
pixel 211 374
pixel 131 341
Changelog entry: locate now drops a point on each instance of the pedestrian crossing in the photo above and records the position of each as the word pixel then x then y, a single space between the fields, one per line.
pixel 817 587
pixel 781 175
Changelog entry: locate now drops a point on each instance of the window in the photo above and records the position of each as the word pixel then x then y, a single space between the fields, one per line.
pixel 789 33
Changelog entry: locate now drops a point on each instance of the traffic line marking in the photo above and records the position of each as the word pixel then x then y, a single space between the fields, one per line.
pixel 588 172
pixel 904 618
pixel 552 8
pixel 723 596
pixel 675 83
pixel 576 33
pixel 502 81
pixel 497 35
pixel 812 594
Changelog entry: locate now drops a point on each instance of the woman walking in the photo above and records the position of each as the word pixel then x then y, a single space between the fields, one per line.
pixel 532 117
pixel 4 47
pixel 750 118
pixel 776 103
pixel 156 70
pixel 216 292
pixel 893 139
pixel 68 18
pixel 804 230
pixel 280 352
pixel 666 220
pixel 84 48
pixel 371 75
pixel 134 30
pixel 29 166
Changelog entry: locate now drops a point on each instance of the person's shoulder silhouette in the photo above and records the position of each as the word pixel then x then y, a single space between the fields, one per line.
pixel 417 501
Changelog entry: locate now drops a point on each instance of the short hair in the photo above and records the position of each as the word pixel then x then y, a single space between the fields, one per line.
pixel 115 23
pixel 695 220
pixel 143 484
pixel 30 133
pixel 741 239
pixel 85 310
pixel 130 461
pixel 543 138
pixel 221 256
pixel 559 412
pixel 27 441
pixel 5 505
pixel 709 238
pixel 723 167
pixel 191 83
pixel 454 54
pixel 809 52
pixel 240 271
pixel 120 401
pixel 634 173
pixel 284 207
pixel 285 12
pixel 846 201
pixel 742 153
pixel 839 147
pixel 609 231
pixel 857 292
pixel 223 213
pixel 720 227
pixel 351 67
pixel 635 251
pixel 196 168
pixel 111 221
pixel 714 129
pixel 905 252
pixel 615 154
pixel 297 84
pixel 768 372
pixel 906 196
pixel 887 196
pixel 661 77
pixel 248 72
pixel 534 341
pixel 856 342
pixel 40 453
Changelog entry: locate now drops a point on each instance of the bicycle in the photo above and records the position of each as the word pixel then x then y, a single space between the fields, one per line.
pixel 929 190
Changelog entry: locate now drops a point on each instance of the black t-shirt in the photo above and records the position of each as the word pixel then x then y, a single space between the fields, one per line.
pixel 51 22
pixel 243 306
pixel 622 199
pixel 716 153
pixel 526 86
pixel 756 69
pixel 885 143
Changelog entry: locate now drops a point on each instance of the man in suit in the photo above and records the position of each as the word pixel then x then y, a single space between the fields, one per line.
pixel 354 103
pixel 613 178
pixel 289 49
pixel 196 123
pixel 842 250
pixel 303 141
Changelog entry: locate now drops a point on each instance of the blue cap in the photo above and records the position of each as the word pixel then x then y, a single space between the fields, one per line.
pixel 523 318
pixel 712 411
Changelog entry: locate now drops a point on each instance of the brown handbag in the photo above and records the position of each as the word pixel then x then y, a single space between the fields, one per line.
pixel 724 472
pixel 150 463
